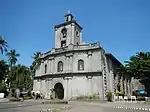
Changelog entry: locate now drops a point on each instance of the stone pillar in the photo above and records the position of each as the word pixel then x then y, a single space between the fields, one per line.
pixel 46 89
pixel 90 61
pixel 71 65
pixel 111 82
pixel 73 34
pixel 80 37
pixel 49 66
pixel 57 40
pixel 130 86
pixel 67 89
pixel 42 68
pixel 49 87
pixel 89 78
pixel 53 65
pixel 116 82
pixel 125 85
pixel 67 64
pixel 114 87
pixel 121 82
pixel 101 88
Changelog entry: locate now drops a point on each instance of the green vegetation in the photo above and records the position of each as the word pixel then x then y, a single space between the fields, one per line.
pixel 109 96
pixel 3 45
pixel 12 76
pixel 138 67
pixel 36 63
pixel 14 99
pixel 27 97
pixel 119 93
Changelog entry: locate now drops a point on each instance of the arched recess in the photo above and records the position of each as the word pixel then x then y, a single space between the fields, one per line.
pixel 59 90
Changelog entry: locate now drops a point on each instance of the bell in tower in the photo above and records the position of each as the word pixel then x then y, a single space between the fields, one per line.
pixel 69 32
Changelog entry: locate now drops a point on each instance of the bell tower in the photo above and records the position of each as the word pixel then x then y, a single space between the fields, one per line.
pixel 68 32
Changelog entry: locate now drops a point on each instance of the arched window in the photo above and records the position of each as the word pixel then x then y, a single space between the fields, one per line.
pixel 80 65
pixel 60 66
pixel 64 32
pixel 45 68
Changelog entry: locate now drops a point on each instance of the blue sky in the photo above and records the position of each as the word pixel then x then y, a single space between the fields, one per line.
pixel 121 26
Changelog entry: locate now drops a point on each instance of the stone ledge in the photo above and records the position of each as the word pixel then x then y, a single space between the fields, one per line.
pixel 56 110
pixel 4 100
pixel 54 102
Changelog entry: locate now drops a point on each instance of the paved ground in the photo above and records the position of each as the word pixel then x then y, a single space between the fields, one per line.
pixel 36 106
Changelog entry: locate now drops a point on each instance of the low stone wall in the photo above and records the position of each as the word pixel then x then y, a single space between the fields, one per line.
pixel 88 97
pixel 54 102
pixel 57 110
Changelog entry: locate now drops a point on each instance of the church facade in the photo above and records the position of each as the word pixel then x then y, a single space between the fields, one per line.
pixel 74 68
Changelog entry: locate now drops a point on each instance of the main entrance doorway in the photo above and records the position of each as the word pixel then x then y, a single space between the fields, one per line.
pixel 59 90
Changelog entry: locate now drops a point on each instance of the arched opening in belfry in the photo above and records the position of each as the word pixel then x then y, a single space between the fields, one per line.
pixel 59 91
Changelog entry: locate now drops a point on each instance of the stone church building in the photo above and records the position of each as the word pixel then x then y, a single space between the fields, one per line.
pixel 74 68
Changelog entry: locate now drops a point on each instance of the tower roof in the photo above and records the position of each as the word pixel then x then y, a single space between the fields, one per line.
pixel 69 14
pixel 66 23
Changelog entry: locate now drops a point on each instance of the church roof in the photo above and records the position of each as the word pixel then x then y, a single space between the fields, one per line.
pixel 113 58
pixel 66 23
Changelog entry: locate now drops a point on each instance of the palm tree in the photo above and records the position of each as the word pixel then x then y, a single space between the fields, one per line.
pixel 36 57
pixel 3 45
pixel 12 57
pixel 36 62
pixel 21 77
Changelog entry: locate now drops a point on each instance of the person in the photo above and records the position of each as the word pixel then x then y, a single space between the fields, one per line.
pixel 33 94
pixel 17 93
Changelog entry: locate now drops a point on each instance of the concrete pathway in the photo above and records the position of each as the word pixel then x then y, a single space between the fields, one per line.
pixel 74 106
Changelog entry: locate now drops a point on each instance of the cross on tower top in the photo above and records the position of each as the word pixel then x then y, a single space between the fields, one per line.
pixel 69 12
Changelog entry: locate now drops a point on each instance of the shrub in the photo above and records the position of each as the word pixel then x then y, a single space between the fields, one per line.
pixel 27 97
pixel 119 93
pixel 109 96
pixel 89 97
pixel 14 99
pixel 80 97
pixel 140 98
pixel 3 89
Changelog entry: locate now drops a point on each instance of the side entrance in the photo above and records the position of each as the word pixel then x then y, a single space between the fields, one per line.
pixel 59 91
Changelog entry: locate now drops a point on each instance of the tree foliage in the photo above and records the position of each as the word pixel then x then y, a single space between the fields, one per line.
pixel 139 65
pixel 3 45
pixel 4 69
pixel 36 62
pixel 12 57
pixel 20 77
pixel 14 76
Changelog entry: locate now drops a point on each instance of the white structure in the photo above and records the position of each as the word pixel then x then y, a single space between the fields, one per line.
pixel 1 95
pixel 74 68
